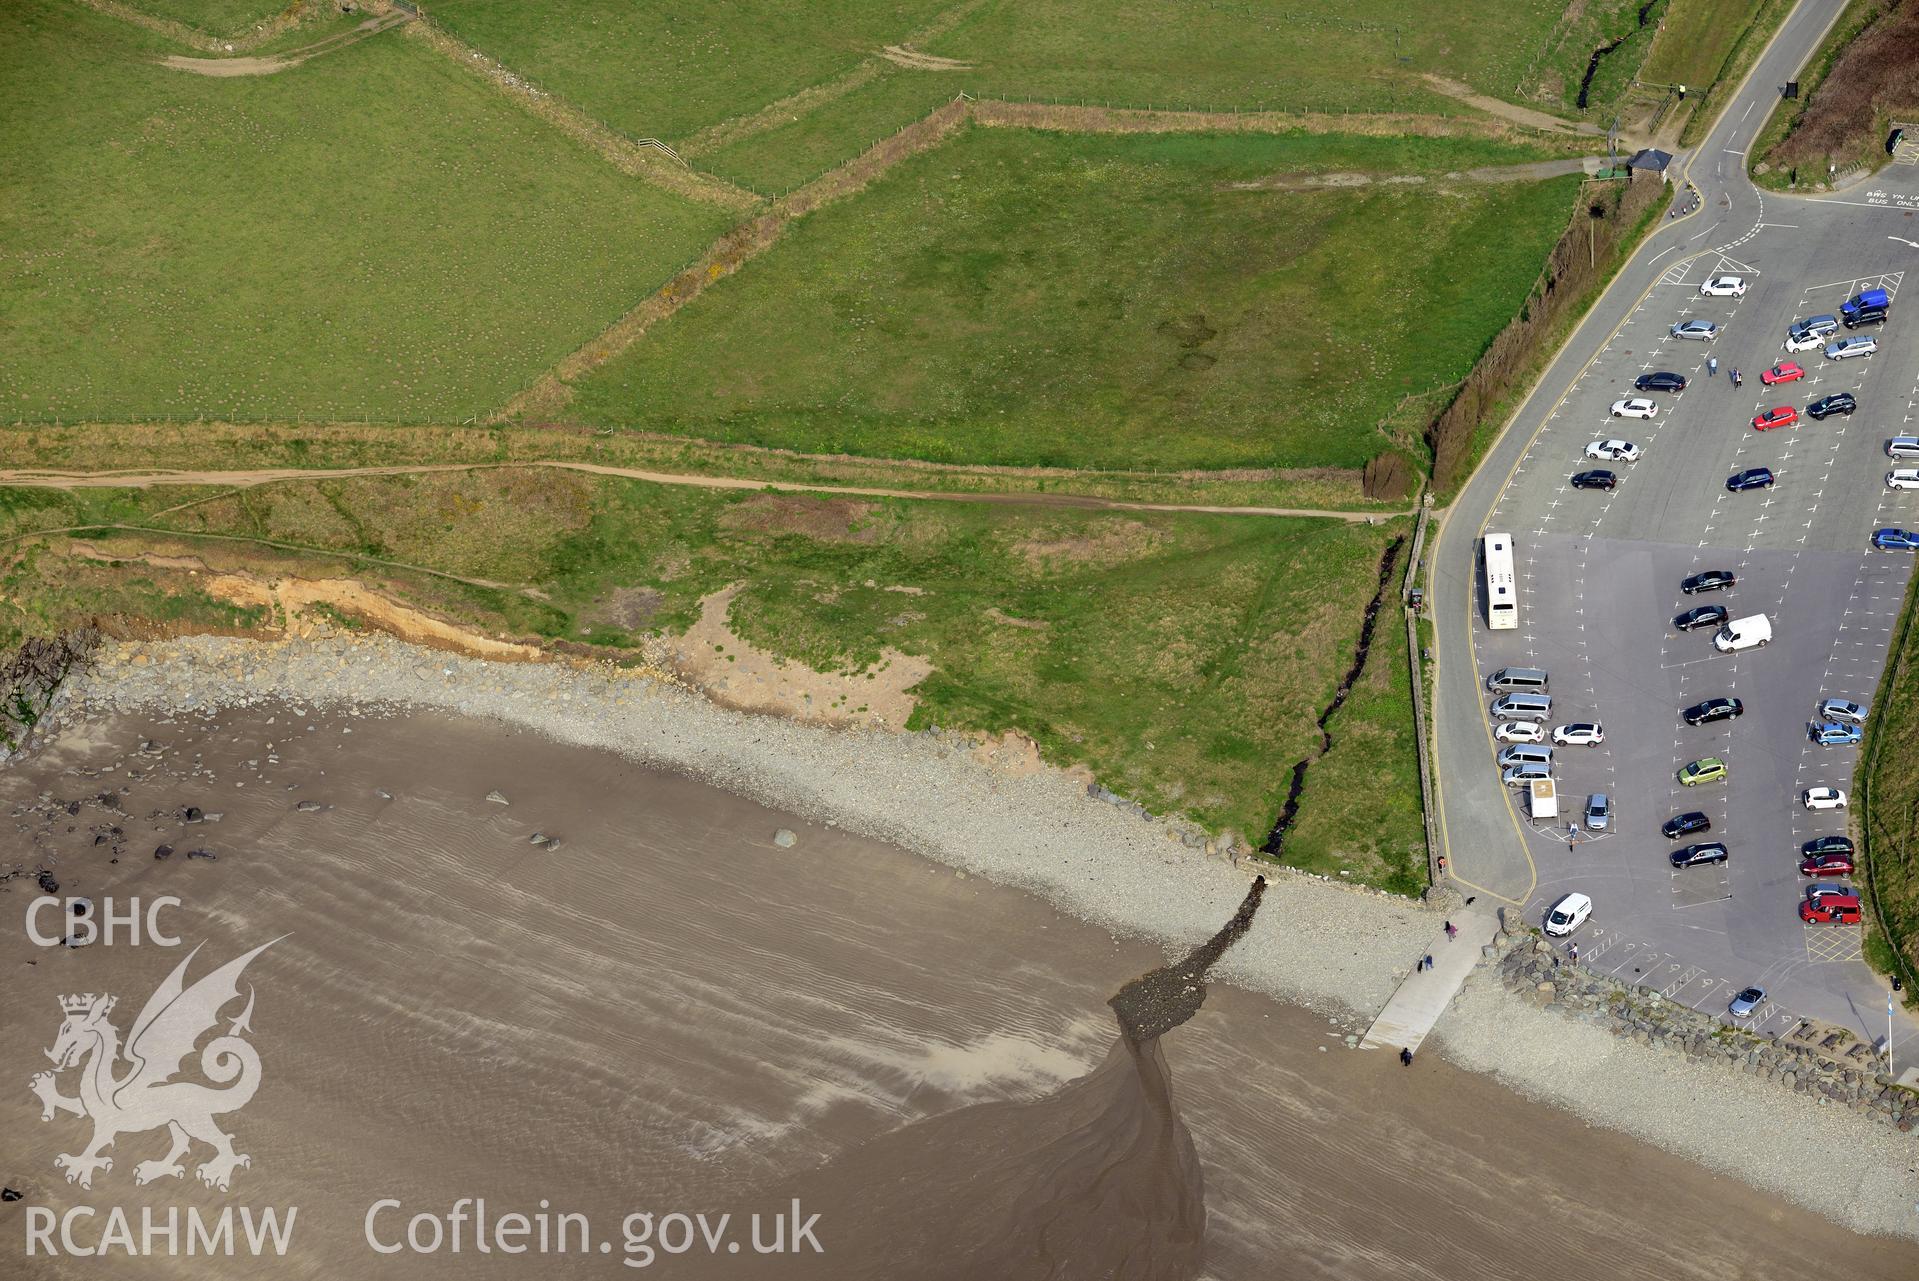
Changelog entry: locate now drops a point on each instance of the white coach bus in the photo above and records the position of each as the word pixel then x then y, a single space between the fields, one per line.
pixel 1502 595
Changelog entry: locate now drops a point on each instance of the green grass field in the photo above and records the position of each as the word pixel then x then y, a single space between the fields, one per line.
pixel 1887 802
pixel 1194 703
pixel 215 17
pixel 373 233
pixel 684 65
pixel 1341 55
pixel 1360 814
pixel 1031 298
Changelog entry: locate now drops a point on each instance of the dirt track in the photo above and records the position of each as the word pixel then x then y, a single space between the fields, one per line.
pixel 223 67
pixel 29 478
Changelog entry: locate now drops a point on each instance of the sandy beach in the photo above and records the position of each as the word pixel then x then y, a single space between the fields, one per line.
pixel 670 1010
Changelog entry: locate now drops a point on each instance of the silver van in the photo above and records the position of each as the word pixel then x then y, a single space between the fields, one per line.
pixel 1903 447
pixel 1532 678
pixel 1526 775
pixel 1522 707
pixel 1525 754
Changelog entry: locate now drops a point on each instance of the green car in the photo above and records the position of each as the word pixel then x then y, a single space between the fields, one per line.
pixel 1709 770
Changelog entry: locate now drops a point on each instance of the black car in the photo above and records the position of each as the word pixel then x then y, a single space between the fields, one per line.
pixel 1751 478
pixel 1594 480
pixel 1702 616
pixel 1827 845
pixel 1659 382
pixel 1711 580
pixel 1866 316
pixel 1714 709
pixel 1686 824
pixel 1700 855
pixel 1840 402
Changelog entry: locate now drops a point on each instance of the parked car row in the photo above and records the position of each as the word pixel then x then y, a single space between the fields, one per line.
pixel 1520 722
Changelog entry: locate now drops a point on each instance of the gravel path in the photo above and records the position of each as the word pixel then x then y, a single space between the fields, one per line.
pixel 1338 949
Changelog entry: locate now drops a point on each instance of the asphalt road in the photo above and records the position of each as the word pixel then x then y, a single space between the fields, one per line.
pixel 1599 583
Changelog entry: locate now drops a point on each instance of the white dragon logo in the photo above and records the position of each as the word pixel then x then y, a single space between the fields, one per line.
pixel 145 1097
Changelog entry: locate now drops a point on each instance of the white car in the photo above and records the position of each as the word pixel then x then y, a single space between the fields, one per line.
pixel 1824 798
pixel 1519 732
pixel 1903 478
pixel 1634 407
pixel 1806 342
pixel 1580 734
pixel 1568 914
pixel 1613 451
pixel 1723 287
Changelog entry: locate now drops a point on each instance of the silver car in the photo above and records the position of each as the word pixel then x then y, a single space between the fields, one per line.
pixel 1747 1002
pixel 1813 327
pixel 1847 348
pixel 1842 709
pixel 1598 812
pixel 1702 330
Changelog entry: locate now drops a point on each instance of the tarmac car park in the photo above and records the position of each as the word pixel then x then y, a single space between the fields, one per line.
pixel 1598 574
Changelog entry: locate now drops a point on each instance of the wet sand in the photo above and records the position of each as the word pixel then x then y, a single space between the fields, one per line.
pixel 672 1013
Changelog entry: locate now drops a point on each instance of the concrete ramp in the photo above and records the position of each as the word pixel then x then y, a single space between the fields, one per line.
pixel 1424 994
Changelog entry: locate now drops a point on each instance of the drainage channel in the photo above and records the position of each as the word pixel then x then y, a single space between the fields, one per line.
pixel 1276 840
pixel 1592 64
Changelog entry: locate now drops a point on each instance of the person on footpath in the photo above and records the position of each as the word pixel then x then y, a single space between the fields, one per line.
pixel 1429 960
pixel 1405 1056
pixel 1452 931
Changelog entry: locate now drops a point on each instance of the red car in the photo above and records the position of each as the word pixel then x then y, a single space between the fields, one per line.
pixel 1785 371
pixel 1783 416
pixel 1830 907
pixel 1826 865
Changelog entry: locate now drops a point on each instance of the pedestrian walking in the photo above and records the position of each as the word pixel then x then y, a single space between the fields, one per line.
pixel 1573 950
pixel 1405 1056
pixel 1735 377
pixel 1429 960
pixel 1712 365
pixel 1452 931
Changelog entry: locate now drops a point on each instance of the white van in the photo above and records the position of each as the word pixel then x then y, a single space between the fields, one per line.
pixel 1743 633
pixel 1523 707
pixel 1568 914
pixel 1527 754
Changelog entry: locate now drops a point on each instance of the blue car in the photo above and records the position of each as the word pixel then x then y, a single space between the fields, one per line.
pixel 1834 734
pixel 1751 478
pixel 1896 540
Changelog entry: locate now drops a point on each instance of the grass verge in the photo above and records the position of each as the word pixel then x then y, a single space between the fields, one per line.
pixel 1834 131
pixel 1888 808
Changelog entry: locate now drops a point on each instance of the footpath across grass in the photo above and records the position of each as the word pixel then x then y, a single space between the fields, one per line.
pixel 1082 629
pixel 374 233
pixel 1152 302
pixel 669 69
